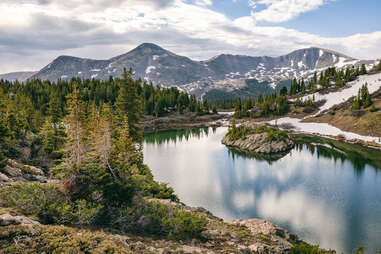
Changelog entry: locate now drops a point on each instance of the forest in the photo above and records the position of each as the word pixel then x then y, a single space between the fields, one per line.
pixel 87 134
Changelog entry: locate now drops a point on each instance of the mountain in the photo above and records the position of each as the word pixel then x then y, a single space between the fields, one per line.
pixel 20 76
pixel 224 72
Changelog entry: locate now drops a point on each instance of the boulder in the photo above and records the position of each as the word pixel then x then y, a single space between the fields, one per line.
pixel 258 143
pixel 7 219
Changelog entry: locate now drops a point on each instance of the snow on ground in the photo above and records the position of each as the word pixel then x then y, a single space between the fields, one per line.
pixel 325 129
pixel 322 129
pixel 96 70
pixel 273 85
pixel 155 57
pixel 94 76
pixel 149 69
pixel 229 113
pixel 374 83
pixel 342 62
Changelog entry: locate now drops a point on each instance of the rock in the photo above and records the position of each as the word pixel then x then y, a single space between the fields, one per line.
pixel 144 221
pixel 11 171
pixel 7 219
pixel 266 229
pixel 258 143
pixel 4 178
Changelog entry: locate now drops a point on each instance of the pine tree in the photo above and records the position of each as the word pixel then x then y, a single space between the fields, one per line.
pixel 129 103
pixel 214 109
pixel 126 156
pixel 363 70
pixel 75 121
pixel 283 91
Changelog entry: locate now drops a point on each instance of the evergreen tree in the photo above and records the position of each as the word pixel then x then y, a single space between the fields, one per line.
pixel 129 103
pixel 363 70
pixel 283 91
pixel 76 128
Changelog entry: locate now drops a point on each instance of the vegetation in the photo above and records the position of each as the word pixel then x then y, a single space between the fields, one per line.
pixel 262 107
pixel 305 248
pixel 273 134
pixel 363 99
pixel 238 132
pixel 58 239
pixel 241 132
pixel 93 141
pixel 331 77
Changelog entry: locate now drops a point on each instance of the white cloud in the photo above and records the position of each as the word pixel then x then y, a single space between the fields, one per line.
pixel 34 32
pixel 204 2
pixel 277 11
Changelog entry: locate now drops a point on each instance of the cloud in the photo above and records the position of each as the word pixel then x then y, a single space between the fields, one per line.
pixel 277 11
pixel 204 2
pixel 34 32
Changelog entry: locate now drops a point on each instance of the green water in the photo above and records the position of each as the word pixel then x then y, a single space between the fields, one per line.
pixel 328 193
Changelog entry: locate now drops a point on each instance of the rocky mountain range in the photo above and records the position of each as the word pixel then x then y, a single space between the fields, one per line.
pixel 20 76
pixel 224 73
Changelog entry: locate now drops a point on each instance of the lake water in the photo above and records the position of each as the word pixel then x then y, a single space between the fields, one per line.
pixel 326 195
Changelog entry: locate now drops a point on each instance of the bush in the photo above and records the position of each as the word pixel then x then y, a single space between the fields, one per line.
pixel 273 134
pixel 374 109
pixel 49 204
pixel 239 132
pixel 57 239
pixel 305 248
pixel 153 217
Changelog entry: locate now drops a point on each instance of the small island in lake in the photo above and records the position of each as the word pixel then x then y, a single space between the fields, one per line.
pixel 260 139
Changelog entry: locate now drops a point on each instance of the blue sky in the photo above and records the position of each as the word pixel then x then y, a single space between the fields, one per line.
pixel 35 32
pixel 336 18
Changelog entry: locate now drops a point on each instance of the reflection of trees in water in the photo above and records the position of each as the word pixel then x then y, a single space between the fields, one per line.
pixel 270 158
pixel 352 154
pixel 177 135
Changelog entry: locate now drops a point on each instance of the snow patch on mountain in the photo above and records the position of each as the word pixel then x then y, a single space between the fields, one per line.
pixel 350 90
pixel 150 69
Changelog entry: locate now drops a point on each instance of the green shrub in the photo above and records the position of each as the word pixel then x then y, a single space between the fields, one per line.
pixel 57 239
pixel 155 218
pixel 49 204
pixel 305 248
pixel 272 133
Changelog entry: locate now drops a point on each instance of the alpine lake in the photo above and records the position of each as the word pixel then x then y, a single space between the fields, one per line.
pixel 327 192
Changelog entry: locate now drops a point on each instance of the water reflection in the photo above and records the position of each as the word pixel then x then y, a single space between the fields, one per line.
pixel 324 193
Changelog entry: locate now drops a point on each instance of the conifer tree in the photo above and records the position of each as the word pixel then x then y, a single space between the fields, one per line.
pixel 126 155
pixel 75 121
pixel 363 70
pixel 129 103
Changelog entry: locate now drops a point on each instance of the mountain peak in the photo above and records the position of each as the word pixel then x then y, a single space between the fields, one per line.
pixel 149 46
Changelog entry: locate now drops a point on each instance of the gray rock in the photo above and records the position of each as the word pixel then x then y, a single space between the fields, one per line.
pixel 257 143
pixel 7 219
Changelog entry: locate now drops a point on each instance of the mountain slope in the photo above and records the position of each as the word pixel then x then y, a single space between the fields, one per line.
pixel 20 76
pixel 227 72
